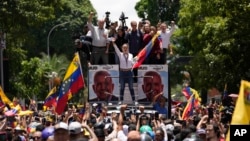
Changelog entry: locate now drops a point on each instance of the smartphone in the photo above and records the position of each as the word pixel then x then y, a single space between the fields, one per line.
pixel 156 116
pixel 210 113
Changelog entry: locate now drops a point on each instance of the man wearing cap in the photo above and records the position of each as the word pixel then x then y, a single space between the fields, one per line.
pixel 75 131
pixel 61 132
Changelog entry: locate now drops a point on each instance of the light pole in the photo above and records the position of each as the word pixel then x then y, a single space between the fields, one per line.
pixel 49 36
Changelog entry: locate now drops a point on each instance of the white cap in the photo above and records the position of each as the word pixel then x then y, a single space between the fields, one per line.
pixel 75 127
pixel 61 125
pixel 170 127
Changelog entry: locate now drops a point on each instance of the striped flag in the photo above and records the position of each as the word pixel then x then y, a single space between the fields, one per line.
pixel 186 91
pixel 143 54
pixel 193 102
pixel 73 81
pixel 51 98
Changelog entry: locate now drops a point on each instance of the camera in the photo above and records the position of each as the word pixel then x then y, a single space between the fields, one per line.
pixel 123 19
pixel 107 20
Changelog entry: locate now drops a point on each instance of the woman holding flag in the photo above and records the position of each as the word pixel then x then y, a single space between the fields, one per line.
pixel 155 54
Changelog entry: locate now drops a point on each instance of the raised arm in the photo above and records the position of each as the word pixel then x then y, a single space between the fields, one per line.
pixel 117 51
pixel 90 17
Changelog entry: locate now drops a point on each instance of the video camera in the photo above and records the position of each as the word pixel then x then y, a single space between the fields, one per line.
pixel 123 19
pixel 107 20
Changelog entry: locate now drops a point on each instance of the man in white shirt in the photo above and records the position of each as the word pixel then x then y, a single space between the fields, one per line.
pixel 166 34
pixel 100 43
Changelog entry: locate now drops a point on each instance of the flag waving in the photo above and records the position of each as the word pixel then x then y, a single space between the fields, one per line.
pixel 73 81
pixel 186 91
pixel 241 114
pixel 143 54
pixel 4 98
pixel 50 100
pixel 193 102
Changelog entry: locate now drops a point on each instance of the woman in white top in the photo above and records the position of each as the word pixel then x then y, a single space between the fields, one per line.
pixel 126 73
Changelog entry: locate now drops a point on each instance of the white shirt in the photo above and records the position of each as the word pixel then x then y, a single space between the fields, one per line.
pixel 166 37
pixel 125 62
pixel 98 35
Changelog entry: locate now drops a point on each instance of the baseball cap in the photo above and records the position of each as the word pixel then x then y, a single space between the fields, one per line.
pixel 61 125
pixel 145 128
pixel 170 127
pixel 48 131
pixel 75 127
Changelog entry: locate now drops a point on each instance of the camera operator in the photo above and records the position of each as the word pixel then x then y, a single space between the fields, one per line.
pixel 84 46
pixel 112 34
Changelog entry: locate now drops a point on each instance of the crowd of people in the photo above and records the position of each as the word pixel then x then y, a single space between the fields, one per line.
pixel 95 122
pixel 127 123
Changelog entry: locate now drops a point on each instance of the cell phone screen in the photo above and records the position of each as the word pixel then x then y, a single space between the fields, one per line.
pixel 156 116
pixel 210 113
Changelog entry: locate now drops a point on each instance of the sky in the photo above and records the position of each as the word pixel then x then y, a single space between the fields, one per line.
pixel 116 7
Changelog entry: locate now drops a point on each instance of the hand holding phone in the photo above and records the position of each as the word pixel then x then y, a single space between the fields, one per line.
pixel 156 116
pixel 210 113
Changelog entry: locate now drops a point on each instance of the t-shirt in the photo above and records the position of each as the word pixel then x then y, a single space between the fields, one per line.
pixel 159 109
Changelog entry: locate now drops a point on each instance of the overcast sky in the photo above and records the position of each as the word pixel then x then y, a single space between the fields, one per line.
pixel 116 7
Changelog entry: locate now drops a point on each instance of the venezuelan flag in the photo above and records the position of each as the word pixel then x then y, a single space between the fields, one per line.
pixel 193 102
pixel 188 111
pixel 73 81
pixel 50 100
pixel 143 54
pixel 186 91
pixel 241 114
pixel 4 98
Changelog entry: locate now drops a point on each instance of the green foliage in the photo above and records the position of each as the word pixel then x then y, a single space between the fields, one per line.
pixel 158 10
pixel 216 33
pixel 31 80
pixel 27 24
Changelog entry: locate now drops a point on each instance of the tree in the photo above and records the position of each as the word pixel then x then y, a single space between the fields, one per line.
pixel 27 24
pixel 158 10
pixel 31 81
pixel 216 33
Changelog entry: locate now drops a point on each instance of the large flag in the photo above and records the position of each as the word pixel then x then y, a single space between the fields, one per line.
pixel 51 98
pixel 186 91
pixel 188 111
pixel 4 98
pixel 143 54
pixel 241 114
pixel 73 81
pixel 193 102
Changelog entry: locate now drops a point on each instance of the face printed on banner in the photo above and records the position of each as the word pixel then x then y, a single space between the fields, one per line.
pixel 152 85
pixel 102 85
